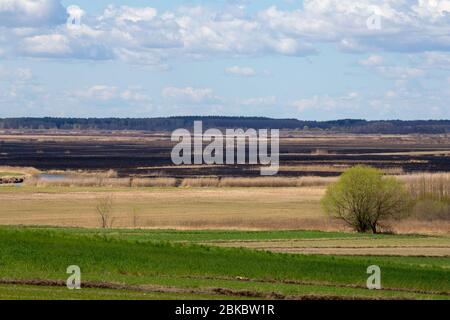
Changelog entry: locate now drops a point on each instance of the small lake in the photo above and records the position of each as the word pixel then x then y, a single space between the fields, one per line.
pixel 52 177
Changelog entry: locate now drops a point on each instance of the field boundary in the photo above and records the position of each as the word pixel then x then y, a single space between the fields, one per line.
pixel 208 291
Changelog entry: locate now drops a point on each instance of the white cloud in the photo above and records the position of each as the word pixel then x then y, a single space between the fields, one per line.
pixel 125 14
pixel 438 60
pixel 141 34
pixel 432 8
pixel 345 22
pixel 107 93
pixel 327 103
pixel 240 71
pixel 260 101
pixel 390 94
pixel 129 33
pixel 48 45
pixel 372 61
pixel 401 102
pixel 19 91
pixel 307 103
pixel 24 75
pixel 31 13
pixel 98 92
pixel 190 95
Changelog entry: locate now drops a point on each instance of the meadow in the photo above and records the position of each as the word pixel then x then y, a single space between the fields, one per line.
pixel 214 232
pixel 249 208
pixel 145 264
pixel 163 207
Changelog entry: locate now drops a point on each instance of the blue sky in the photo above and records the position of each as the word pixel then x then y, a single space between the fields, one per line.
pixel 311 59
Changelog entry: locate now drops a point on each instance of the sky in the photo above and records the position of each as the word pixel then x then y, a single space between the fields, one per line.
pixel 310 59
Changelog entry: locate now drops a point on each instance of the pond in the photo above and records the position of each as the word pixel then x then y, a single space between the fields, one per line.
pixel 51 177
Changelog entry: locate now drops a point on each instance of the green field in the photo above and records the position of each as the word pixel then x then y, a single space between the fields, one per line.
pixel 164 264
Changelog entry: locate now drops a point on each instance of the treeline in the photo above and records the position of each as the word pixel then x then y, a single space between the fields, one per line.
pixel 172 123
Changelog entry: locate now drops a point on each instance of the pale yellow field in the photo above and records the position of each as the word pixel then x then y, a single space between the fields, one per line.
pixel 253 208
pixel 183 208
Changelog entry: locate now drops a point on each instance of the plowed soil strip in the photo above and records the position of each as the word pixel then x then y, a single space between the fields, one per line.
pixel 378 250
pixel 323 284
pixel 161 289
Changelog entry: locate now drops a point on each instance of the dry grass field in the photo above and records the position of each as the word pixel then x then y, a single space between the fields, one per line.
pixel 249 208
pixel 253 208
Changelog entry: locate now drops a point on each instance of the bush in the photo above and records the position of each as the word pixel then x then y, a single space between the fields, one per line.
pixel 363 198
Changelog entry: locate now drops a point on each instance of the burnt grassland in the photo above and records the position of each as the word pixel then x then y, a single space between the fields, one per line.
pixel 148 155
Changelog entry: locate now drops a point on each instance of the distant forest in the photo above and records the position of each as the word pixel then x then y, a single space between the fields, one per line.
pixel 172 123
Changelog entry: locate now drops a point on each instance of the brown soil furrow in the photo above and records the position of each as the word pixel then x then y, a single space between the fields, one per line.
pixel 324 284
pixel 161 289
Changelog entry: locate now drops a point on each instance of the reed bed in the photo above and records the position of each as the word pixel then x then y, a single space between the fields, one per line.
pixel 84 173
pixel 79 182
pixel 153 182
pixel 277 182
pixel 102 182
pixel 426 185
pixel 201 182
pixel 431 195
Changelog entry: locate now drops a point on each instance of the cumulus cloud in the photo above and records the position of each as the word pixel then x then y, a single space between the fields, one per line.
pixel 19 92
pixel 125 14
pixel 372 61
pixel 405 70
pixel 400 102
pixel 190 95
pixel 123 32
pixel 98 92
pixel 327 103
pixel 439 60
pixel 435 9
pixel 143 34
pixel 107 93
pixel 240 71
pixel 46 45
pixel 31 13
pixel 403 26
pixel 260 101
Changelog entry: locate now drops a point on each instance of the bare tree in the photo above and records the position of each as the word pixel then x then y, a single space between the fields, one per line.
pixel 135 218
pixel 104 209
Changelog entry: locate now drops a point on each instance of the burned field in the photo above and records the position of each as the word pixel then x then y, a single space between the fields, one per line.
pixel 148 155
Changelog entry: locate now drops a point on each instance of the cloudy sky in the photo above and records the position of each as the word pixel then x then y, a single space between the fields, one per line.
pixel 310 59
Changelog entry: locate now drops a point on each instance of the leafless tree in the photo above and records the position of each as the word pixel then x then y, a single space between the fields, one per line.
pixel 104 209
pixel 135 218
